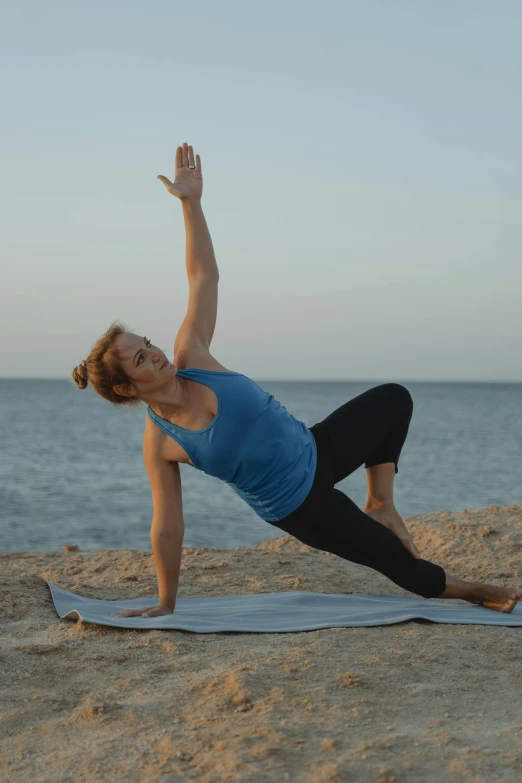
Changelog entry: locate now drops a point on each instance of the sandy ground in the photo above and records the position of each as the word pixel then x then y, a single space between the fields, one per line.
pixel 417 701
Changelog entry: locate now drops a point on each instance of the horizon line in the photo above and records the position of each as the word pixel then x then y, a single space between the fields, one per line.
pixel 296 380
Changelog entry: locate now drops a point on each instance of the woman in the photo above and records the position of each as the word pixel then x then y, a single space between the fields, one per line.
pixel 221 422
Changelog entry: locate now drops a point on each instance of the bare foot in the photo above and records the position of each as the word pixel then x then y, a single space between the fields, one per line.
pixel 501 599
pixel 390 518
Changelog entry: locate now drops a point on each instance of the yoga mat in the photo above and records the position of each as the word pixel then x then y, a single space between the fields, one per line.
pixel 279 612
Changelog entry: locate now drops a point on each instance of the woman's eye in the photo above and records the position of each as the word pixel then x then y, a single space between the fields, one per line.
pixel 148 344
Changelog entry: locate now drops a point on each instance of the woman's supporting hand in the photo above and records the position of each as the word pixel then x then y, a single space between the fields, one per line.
pixel 188 182
pixel 147 611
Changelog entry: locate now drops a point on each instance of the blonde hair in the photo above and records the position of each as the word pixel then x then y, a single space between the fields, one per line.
pixel 102 368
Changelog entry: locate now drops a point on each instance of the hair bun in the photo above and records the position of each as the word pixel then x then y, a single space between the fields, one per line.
pixel 79 375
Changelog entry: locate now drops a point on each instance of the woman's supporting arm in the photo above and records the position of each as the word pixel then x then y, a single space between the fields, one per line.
pixel 167 550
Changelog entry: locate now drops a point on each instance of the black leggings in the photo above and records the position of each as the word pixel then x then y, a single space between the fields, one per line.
pixel 369 429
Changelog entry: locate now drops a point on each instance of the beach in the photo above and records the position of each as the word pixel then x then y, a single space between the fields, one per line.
pixel 414 701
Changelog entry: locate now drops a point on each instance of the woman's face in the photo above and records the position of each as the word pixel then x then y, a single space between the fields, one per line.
pixel 144 363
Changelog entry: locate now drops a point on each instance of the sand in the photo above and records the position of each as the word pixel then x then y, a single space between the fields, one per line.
pixel 416 701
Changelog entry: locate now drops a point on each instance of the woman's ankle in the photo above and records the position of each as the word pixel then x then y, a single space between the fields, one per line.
pixel 379 505
pixel 460 588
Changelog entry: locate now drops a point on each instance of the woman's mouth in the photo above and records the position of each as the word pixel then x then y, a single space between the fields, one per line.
pixel 164 363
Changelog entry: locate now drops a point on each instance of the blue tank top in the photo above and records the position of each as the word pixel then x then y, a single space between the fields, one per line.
pixel 253 444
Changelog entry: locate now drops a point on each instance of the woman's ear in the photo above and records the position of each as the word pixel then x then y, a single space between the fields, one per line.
pixel 124 391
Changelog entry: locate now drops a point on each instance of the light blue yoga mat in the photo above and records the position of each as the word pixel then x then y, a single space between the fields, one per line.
pixel 279 612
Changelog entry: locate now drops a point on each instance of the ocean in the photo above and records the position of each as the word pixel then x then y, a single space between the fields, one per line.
pixel 71 467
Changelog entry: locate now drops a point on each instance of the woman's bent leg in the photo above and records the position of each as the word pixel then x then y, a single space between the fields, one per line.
pixel 370 429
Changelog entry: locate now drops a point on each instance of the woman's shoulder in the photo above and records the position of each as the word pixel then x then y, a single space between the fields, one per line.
pixel 198 358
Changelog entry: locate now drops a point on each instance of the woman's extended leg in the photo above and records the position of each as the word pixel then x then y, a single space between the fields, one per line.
pixel 372 429
pixel 333 523
pixel 329 520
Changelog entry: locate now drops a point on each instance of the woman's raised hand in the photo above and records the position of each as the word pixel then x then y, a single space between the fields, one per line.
pixel 188 182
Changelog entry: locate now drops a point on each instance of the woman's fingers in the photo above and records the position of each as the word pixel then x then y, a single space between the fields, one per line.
pixel 168 184
pixel 187 155
pixel 179 161
pixel 132 613
pixel 145 611
pixel 185 159
pixel 182 158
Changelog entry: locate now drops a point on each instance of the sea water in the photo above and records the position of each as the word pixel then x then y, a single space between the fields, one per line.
pixel 72 472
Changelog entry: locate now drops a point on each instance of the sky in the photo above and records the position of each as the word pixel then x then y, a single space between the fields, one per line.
pixel 362 183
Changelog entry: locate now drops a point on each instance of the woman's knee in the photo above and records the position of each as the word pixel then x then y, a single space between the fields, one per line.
pixel 399 392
